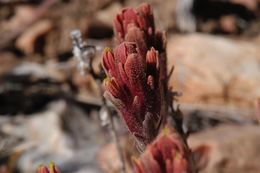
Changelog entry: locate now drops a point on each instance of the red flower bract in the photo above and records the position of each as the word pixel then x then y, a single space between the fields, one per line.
pixel 133 86
pixel 136 71
pixel 167 154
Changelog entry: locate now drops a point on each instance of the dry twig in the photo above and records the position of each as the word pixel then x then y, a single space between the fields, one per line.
pixel 85 55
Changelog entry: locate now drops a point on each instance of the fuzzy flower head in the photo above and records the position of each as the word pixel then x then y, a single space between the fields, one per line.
pixel 137 25
pixel 132 85
pixel 141 18
pixel 167 154
pixel 136 72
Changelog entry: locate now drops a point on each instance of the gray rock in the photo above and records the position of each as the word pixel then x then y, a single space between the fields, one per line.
pixel 63 133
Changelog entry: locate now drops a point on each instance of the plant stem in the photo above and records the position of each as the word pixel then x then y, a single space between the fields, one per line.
pixel 113 130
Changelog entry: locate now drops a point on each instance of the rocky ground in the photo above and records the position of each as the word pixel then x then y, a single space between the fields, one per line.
pixel 49 112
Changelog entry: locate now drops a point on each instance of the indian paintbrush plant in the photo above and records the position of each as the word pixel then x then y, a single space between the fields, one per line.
pixel 137 84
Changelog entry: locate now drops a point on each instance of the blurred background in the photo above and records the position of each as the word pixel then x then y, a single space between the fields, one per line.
pixel 50 112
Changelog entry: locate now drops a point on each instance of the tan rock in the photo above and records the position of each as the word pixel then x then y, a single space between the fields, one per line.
pixel 108 14
pixel 250 4
pixel 215 70
pixel 229 149
pixel 8 61
pixel 23 14
pixel 27 42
